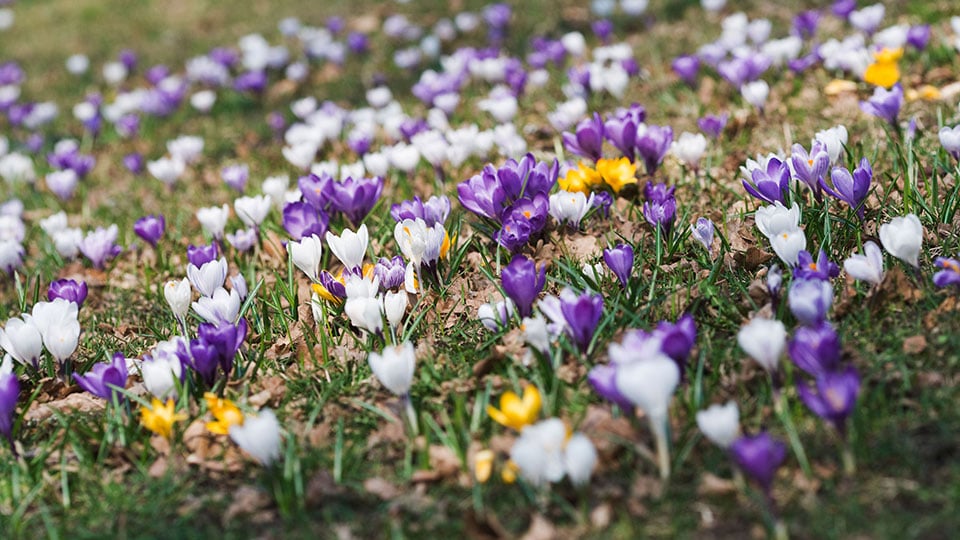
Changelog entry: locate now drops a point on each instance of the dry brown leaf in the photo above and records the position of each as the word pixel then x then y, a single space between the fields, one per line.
pixel 76 402
pixel 711 484
pixel 540 529
pixel 914 344
pixel 247 500
pixel 381 488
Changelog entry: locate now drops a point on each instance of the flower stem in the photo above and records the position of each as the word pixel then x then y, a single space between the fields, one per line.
pixel 780 530
pixel 849 462
pixel 659 428
pixel 411 415
pixel 780 407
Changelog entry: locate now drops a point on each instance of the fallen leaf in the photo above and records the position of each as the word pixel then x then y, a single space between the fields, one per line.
pixel 914 344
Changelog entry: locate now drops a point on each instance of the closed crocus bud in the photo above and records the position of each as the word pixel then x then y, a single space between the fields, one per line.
pixel 774 281
pixel 833 397
pixel 902 238
pixel 523 281
pixel 104 380
pixel 394 367
pixel 59 328
pixel 867 267
pixel 764 341
pixel 259 436
pixel 689 148
pixel 720 423
pixel 222 307
pixel 177 294
pixel 620 261
pixel 214 220
pixel 580 458
pixel 21 339
pixel 702 232
pixel 950 140
pixel 209 277
pixel 394 307
pixel 755 93
pixel 649 384
pixel 496 316
pixel 815 349
pixel 366 313
pixel 810 300
pixel 759 457
pixel 239 284
pixel 306 255
pixel 68 289
pixel 150 228
pixel 350 247
pixel 582 315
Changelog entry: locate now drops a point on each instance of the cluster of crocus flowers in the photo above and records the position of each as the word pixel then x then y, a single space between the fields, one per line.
pixel 52 326
pixel 660 208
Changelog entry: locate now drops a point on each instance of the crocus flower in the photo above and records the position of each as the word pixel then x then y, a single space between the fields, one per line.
pixel 545 453
pixel 355 197
pixel 649 384
pixel 252 210
pixel 884 71
pixel 226 412
pixel 350 247
pixel 763 340
pixel 9 392
pixel 303 219
pixel 833 397
pixel 902 238
pixel 788 245
pixel 222 307
pixel 204 358
pixel 810 300
pixel 105 380
pixel 306 255
pixel 150 228
pixel 159 417
pixel 713 125
pixel 720 423
pixel 602 378
pixel 770 184
pixel 810 168
pixel 759 457
pixel 522 281
pixel 100 245
pixel 867 267
pixel 652 143
pixel 213 220
pixel 570 208
pixel 805 23
pixel 950 273
pixel 236 176
pixel 227 338
pixel 702 232
pixel 394 367
pixel 950 140
pixel 58 325
pixel 755 93
pixel 822 268
pixel 582 314
pixel 774 281
pixel 200 255
pixel 918 36
pixel 620 261
pixel 689 148
pixel 21 339
pixel 587 140
pixel 815 349
pixel 516 412
pixel 661 214
pixel 687 67
pixel 621 129
pixel 482 194
pixel 390 272
pixel 259 436
pixel 884 104
pixel 851 189
pixel 208 277
pixel 68 289
pixel 177 295
pixel 581 179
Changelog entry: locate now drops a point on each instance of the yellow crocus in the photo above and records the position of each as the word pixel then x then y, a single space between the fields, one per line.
pixel 509 473
pixel 925 92
pixel 514 412
pixel 483 465
pixel 159 417
pixel 884 70
pixel 617 172
pixel 581 179
pixel 226 413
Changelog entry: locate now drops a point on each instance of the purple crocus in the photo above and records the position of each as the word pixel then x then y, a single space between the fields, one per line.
pixel 712 125
pixel 851 189
pixel 226 338
pixel 661 214
pixel 100 245
pixel 204 358
pixel 833 397
pixel 391 272
pixel 522 281
pixel 69 290
pixel 815 349
pixel 482 194
pixel 950 273
pixel 687 67
pixel 534 210
pixel 514 234
pixel 677 339
pixel 843 8
pixel 621 129
pixel 918 36
pixel 301 219
pixel 105 380
pixel 805 23
pixel 317 189
pixel 200 255
pixel 582 314
pixel 587 140
pixel 236 176
pixel 603 29
pixel 355 197
pixel 620 261
pixel 810 300
pixel 133 162
pixel 652 145
pixel 885 104
pixel 251 81
pixel 332 285
pixel 770 185
pixel 822 268
pixel 150 228
pixel 602 378
pixel 357 42
pixel 702 232
pixel 810 168
pixel 759 457
pixel 9 391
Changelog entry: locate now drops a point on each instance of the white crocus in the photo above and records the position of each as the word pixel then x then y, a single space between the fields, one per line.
pixel 306 255
pixel 350 247
pixel 902 238
pixel 222 307
pixel 720 423
pixel 394 307
pixel 259 436
pixel 763 340
pixel 788 245
pixel 58 326
pixel 252 210
pixel 166 170
pixel 834 139
pixel 755 93
pixel 209 277
pixel 394 367
pixel 186 148
pixel 67 242
pixel 649 384
pixel 213 219
pixel 538 452
pixel 177 293
pixel 689 148
pixel 21 339
pixel 162 369
pixel 567 207
pixel 495 316
pixel 777 219
pixel 579 459
pixel 867 267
